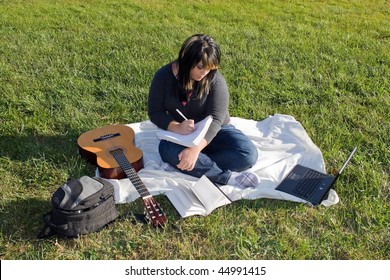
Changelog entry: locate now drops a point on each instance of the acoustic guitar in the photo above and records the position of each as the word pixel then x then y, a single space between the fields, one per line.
pixel 111 149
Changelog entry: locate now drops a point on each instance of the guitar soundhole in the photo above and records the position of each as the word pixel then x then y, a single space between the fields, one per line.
pixel 107 136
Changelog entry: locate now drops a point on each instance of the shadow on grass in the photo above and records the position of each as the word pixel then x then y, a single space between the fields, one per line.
pixel 24 148
pixel 40 161
pixel 22 219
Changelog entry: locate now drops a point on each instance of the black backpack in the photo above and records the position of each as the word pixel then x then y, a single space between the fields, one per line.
pixel 80 206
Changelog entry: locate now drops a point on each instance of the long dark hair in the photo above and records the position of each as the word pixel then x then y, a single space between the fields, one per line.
pixel 197 48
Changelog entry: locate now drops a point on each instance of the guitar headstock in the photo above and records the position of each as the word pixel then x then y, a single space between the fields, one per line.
pixel 154 212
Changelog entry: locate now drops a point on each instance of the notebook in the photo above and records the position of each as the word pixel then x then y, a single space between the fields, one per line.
pixel 188 140
pixel 309 184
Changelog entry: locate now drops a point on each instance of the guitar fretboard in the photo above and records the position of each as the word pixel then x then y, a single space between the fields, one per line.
pixel 130 172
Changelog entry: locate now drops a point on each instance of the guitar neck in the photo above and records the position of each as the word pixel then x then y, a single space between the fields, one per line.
pixel 130 172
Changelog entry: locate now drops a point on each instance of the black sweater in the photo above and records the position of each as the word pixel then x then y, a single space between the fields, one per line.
pixel 163 102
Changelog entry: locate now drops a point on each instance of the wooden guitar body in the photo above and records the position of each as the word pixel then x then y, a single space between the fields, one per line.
pixel 95 146
pixel 111 149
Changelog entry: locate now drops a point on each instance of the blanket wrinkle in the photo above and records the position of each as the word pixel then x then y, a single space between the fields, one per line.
pixel 281 140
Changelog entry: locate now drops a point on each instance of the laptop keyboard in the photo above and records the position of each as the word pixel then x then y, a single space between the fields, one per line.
pixel 307 185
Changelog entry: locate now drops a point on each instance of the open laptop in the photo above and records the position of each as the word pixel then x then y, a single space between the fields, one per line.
pixel 309 184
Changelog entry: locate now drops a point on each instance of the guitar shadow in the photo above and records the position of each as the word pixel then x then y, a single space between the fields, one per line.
pixel 134 211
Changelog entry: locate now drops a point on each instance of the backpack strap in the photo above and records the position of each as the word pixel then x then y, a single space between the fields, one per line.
pixel 46 231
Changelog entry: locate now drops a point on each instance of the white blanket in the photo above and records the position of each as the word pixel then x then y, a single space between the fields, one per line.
pixel 281 141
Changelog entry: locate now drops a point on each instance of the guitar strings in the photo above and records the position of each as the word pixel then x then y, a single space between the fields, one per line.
pixel 132 175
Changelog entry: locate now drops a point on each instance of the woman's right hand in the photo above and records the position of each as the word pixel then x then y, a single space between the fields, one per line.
pixel 185 127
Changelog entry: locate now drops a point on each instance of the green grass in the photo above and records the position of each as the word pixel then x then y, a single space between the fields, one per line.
pixel 70 66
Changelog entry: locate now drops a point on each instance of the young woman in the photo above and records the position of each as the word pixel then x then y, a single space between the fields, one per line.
pixel 193 85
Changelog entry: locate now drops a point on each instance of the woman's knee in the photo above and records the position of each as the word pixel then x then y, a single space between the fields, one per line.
pixel 169 152
pixel 249 157
pixel 252 157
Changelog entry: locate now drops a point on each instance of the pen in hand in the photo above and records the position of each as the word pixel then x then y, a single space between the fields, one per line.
pixel 188 126
pixel 181 114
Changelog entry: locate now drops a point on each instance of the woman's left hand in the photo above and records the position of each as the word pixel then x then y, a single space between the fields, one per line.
pixel 188 158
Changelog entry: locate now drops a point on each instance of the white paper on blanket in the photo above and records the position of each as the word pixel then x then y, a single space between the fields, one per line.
pixel 281 142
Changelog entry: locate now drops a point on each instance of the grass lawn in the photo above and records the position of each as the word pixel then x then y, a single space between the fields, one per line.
pixel 70 66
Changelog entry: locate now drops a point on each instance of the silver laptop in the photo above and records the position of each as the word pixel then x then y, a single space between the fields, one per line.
pixel 309 184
